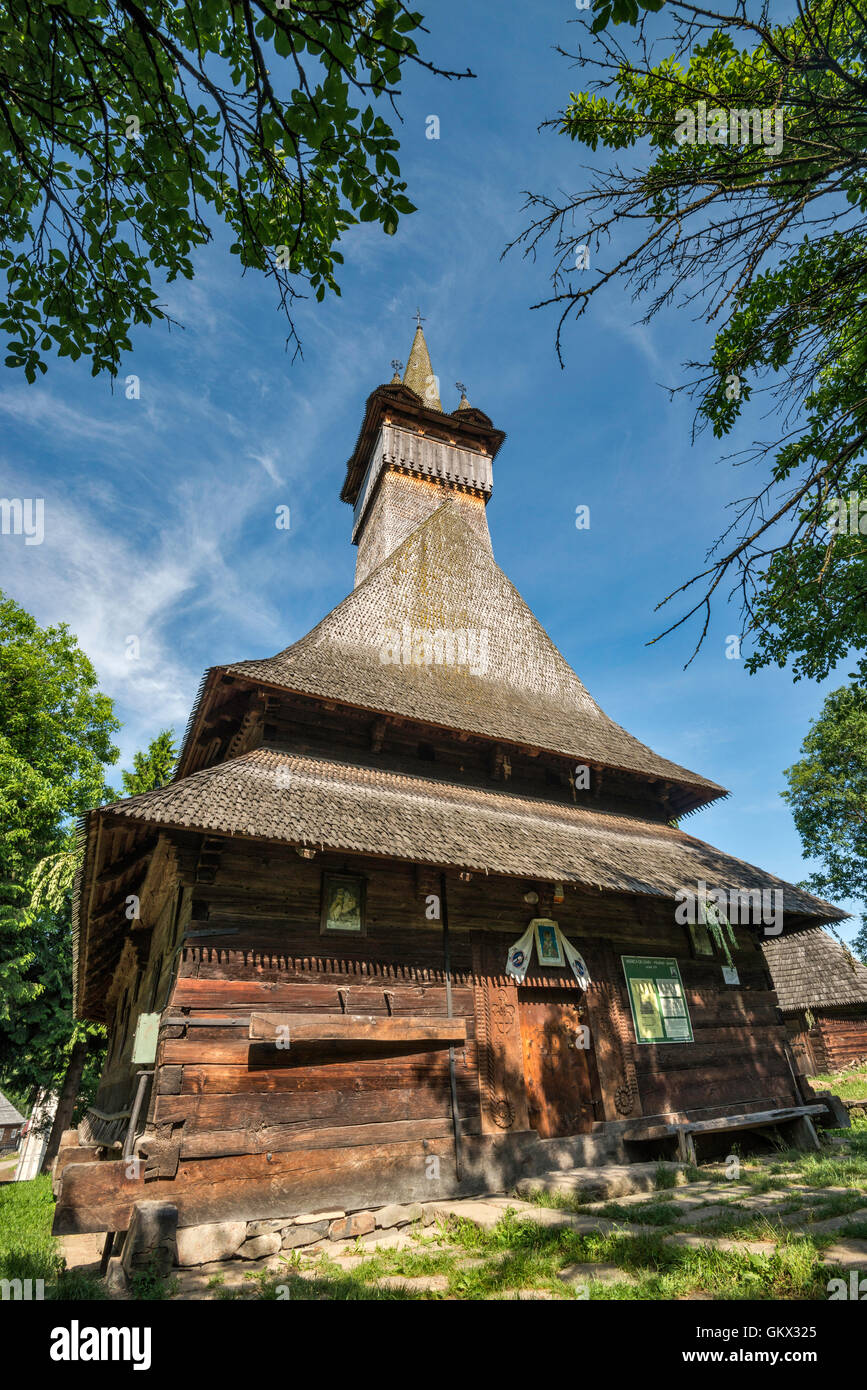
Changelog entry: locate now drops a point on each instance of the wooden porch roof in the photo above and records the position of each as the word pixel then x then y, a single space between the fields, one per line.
pixel 272 794
pixel 813 971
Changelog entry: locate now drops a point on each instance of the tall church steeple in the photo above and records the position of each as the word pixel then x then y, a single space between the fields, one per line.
pixel 411 457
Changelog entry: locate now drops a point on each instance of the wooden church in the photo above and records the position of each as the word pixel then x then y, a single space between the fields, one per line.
pixel 407 922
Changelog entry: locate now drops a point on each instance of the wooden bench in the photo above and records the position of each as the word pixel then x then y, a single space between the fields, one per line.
pixel 798 1116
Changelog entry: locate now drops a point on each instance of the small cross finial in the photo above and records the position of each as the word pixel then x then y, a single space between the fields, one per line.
pixel 461 387
pixel 418 319
pixel 398 366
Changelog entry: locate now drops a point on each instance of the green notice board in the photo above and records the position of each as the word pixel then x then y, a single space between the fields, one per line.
pixel 659 1009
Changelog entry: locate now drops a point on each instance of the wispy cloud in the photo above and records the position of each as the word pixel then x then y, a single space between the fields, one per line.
pixel 42 409
pixel 270 467
pixel 640 336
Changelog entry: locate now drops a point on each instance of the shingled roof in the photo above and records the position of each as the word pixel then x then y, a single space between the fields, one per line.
pixel 8 1114
pixel 812 971
pixel 274 795
pixel 515 686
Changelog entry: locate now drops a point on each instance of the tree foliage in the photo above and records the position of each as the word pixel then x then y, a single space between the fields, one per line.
pixel 55 738
pixel 39 1032
pixel 827 793
pixel 129 127
pixel 766 240
pixel 154 767
pixel 37 1039
pixel 56 729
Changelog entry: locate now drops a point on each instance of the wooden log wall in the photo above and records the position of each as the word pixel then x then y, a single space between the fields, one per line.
pixel 308 726
pixel 842 1038
pixel 240 1128
pixel 220 1094
pixel 834 1041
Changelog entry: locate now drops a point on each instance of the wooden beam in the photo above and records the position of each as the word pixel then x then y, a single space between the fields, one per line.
pixel 355 1028
pixel 100 1196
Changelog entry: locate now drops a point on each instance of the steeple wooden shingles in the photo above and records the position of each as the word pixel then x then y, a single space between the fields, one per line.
pixel 513 684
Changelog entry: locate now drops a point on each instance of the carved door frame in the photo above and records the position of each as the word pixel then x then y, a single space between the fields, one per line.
pixel 502 1087
pixel 502 1090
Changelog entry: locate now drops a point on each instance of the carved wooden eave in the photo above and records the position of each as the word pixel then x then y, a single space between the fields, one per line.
pixel 145 867
pixel 131 961
pixel 250 731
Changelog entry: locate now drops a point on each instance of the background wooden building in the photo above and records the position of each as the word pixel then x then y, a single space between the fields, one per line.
pixel 822 991
pixel 299 945
pixel 10 1125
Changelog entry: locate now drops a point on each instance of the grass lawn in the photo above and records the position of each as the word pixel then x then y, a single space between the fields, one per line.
pixel 848 1085
pixel 27 1248
pixel 519 1255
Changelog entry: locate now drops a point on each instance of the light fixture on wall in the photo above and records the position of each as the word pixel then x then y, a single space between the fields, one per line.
pixel 306 853
pixel 531 899
pixel 559 892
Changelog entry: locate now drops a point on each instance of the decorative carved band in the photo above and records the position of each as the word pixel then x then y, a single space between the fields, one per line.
pixel 498 1038
pixel 612 1038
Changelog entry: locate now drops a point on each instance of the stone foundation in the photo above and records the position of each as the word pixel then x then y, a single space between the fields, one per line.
pixel 256 1240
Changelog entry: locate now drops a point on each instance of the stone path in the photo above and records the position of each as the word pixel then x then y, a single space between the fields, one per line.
pixel 83 1253
pixel 584 1274
pixel 696 1203
pixel 606 1182
pixel 7 1168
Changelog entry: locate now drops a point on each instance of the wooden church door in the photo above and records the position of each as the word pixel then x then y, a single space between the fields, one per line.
pixel 559 1076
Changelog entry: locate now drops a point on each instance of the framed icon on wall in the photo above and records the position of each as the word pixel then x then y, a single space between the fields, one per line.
pixel 548 948
pixel 343 903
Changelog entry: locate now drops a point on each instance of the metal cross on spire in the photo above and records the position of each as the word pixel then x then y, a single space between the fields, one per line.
pixel 461 387
pixel 418 319
pixel 398 365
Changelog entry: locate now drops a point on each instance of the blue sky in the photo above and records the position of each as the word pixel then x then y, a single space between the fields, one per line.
pixel 160 511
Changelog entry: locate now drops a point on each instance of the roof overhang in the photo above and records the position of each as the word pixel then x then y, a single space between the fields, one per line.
pixel 691 795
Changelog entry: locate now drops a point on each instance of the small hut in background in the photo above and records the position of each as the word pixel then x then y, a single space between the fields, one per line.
pixel 822 991
pixel 10 1126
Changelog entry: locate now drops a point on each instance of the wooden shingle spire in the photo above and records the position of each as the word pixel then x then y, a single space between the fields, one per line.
pixel 419 374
